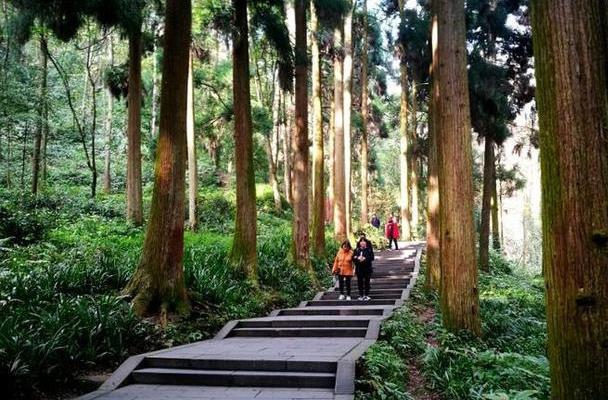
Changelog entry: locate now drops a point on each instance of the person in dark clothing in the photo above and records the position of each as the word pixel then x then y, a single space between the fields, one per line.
pixel 363 258
pixel 375 221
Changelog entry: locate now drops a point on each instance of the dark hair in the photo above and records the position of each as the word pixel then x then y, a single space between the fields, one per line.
pixel 347 244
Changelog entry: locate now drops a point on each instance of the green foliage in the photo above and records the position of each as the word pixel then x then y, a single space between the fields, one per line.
pixel 507 363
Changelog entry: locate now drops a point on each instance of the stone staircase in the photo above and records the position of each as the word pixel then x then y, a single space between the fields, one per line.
pixel 295 353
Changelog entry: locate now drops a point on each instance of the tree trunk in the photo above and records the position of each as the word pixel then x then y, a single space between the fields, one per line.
pixel 459 293
pixel 243 252
pixel 433 273
pixel 488 179
pixel 154 100
pixel 134 188
pixel 571 52
pixel 331 144
pixel 348 85
pixel 286 152
pixel 317 231
pixel 107 175
pixel 364 116
pixel 272 144
pixel 340 231
pixel 495 211
pixel 158 283
pixel 404 145
pixel 300 184
pixel 413 167
pixel 191 144
pixel 42 115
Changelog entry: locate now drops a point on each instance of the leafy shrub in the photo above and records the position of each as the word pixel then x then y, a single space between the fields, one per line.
pixel 216 211
pixel 382 374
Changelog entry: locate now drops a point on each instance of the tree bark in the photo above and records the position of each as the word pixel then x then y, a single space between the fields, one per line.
pixel 243 254
pixel 154 100
pixel 364 116
pixel 286 151
pixel 158 283
pixel 107 174
pixel 318 179
pixel 134 185
pixel 459 293
pixel 272 144
pixel 488 179
pixel 340 231
pixel 301 156
pixel 413 167
pixel 191 144
pixel 570 41
pixel 348 85
pixel 42 115
pixel 495 210
pixel 331 144
pixel 403 143
pixel 433 273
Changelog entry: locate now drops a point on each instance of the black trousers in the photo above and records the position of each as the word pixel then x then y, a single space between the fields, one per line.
pixel 363 281
pixel 344 281
pixel 390 242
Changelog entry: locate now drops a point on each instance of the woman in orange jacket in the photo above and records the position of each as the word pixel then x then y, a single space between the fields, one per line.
pixel 343 267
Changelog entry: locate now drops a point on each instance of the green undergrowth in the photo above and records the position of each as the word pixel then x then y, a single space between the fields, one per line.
pixel 64 261
pixel 508 363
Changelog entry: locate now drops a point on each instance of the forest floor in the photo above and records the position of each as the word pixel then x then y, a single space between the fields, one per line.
pixel 416 358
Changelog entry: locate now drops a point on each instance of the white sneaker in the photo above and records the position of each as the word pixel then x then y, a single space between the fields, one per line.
pixel 367 298
pixel 341 297
pixel 360 298
pixel 347 298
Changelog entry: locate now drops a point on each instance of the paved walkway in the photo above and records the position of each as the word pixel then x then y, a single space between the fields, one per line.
pixel 307 352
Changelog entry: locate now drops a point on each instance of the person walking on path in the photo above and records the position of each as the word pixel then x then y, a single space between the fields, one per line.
pixel 375 221
pixel 343 267
pixel 369 243
pixel 392 233
pixel 363 257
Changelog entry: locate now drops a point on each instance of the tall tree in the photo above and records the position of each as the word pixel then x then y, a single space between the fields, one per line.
pixel 301 156
pixel 135 213
pixel 364 116
pixel 459 293
pixel 191 144
pixel 158 283
pixel 107 173
pixel 317 231
pixel 43 122
pixel 404 202
pixel 339 183
pixel 571 56
pixel 433 275
pixel 347 106
pixel 243 253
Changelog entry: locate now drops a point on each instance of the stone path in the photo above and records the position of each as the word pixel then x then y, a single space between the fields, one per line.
pixel 307 352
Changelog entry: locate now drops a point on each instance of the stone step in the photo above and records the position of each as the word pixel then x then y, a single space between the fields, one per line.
pixel 298 332
pixel 330 303
pixel 161 376
pixel 380 286
pixel 238 364
pixel 315 323
pixel 332 311
pixel 377 296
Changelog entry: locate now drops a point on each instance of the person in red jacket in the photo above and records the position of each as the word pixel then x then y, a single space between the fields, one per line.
pixel 392 233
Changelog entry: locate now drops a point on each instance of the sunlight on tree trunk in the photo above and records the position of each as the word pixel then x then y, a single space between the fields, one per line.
pixel 364 116
pixel 317 231
pixel 571 55
pixel 433 275
pixel 134 189
pixel 413 167
pixel 347 108
pixel 158 283
pixel 459 293
pixel 191 143
pixel 339 177
pixel 243 253
pixel 404 203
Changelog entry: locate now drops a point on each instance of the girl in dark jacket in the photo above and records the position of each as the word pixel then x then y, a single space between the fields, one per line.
pixel 363 257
